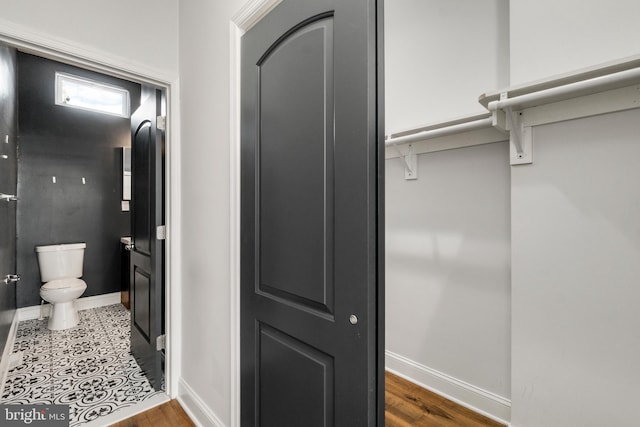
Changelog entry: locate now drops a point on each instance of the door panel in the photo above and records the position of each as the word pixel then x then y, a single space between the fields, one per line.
pixel 296 381
pixel 142 303
pixel 296 141
pixel 141 187
pixel 310 225
pixel 147 259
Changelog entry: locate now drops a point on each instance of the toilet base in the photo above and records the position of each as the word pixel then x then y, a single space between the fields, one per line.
pixel 64 315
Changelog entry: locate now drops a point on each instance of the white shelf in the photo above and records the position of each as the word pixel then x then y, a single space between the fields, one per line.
pixel 466 131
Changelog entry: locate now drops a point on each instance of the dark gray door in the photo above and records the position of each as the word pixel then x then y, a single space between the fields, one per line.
pixel 8 186
pixel 146 273
pixel 311 256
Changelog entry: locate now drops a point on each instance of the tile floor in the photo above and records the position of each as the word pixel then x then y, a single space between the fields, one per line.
pixel 87 367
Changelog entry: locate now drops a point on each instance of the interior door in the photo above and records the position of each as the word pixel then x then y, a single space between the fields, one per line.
pixel 311 254
pixel 146 272
pixel 8 188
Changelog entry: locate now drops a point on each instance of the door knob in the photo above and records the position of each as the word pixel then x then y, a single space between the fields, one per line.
pixel 353 319
pixel 8 197
pixel 9 278
pixel 129 247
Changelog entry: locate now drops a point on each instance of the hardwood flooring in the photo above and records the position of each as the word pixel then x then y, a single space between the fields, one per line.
pixel 407 405
pixel 410 405
pixel 168 414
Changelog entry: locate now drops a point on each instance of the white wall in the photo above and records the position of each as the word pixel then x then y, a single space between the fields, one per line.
pixel 448 236
pixel 448 267
pixel 143 32
pixel 204 74
pixel 575 233
pixel 575 236
pixel 440 55
pixel 576 246
pixel 550 37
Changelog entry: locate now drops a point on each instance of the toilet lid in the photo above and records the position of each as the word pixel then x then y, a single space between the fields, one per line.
pixel 64 284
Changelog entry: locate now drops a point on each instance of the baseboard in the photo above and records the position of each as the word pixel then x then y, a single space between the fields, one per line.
pixel 84 303
pixel 195 407
pixel 95 301
pixel 8 349
pixel 479 400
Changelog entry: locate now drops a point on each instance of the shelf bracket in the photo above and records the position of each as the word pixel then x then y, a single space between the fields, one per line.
pixel 409 160
pixel 520 137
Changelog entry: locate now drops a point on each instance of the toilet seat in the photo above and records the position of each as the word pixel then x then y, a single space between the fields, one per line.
pixel 68 283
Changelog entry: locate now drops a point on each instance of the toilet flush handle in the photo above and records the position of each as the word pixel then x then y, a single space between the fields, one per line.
pixel 9 278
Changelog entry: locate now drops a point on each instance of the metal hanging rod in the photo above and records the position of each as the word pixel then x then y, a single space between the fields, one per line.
pixel 592 85
pixel 446 130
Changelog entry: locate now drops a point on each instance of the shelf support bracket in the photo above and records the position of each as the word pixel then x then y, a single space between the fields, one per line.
pixel 520 137
pixel 409 160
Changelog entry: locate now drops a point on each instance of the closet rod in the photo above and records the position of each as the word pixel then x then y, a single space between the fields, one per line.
pixel 443 131
pixel 590 86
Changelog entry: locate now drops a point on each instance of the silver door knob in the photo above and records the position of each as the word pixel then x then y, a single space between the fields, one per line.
pixel 129 247
pixel 8 197
pixel 353 319
pixel 10 278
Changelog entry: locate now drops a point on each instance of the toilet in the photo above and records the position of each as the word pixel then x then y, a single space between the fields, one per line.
pixel 61 270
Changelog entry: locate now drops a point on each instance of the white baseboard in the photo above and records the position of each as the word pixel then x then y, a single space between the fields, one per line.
pixel 195 407
pixel 479 400
pixel 84 303
pixel 8 349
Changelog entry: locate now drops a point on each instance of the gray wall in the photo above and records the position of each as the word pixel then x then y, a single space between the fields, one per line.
pixel 69 144
pixel 8 127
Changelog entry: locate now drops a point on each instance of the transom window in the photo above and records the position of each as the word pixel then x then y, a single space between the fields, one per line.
pixel 78 92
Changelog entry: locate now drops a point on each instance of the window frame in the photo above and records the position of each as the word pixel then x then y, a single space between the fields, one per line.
pixel 62 77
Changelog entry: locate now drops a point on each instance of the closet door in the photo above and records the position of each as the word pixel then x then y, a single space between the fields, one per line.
pixel 310 224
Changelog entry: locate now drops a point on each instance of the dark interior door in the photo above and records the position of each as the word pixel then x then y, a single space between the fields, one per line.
pixel 8 187
pixel 310 225
pixel 146 272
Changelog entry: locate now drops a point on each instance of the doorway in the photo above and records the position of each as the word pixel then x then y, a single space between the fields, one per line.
pixel 85 179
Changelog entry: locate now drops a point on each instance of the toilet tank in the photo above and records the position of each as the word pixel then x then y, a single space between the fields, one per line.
pixel 60 261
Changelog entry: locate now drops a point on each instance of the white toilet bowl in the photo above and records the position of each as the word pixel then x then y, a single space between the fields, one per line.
pixel 61 269
pixel 62 294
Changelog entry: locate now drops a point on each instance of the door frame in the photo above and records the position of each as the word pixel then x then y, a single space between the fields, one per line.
pixel 51 47
pixel 248 15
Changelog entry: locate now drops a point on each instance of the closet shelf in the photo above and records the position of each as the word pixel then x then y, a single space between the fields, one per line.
pixel 606 88
pixel 512 112
pixel 599 78
pixel 474 129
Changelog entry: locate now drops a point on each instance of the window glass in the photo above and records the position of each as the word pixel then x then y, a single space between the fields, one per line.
pixel 78 92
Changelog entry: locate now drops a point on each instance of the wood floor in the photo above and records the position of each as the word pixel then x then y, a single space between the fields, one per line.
pixel 168 414
pixel 407 405
pixel 410 405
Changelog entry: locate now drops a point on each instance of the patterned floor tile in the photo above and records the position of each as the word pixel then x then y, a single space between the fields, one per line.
pixel 87 367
